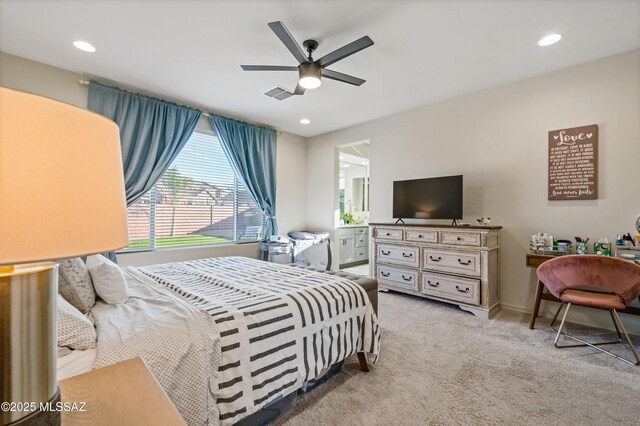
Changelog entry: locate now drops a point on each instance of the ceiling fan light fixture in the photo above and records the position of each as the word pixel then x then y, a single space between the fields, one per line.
pixel 310 82
pixel 310 75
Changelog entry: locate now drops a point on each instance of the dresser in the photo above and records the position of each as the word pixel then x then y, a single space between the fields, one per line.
pixel 453 264
pixel 354 245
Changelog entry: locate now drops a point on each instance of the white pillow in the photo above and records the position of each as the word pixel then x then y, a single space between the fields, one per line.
pixel 74 329
pixel 108 279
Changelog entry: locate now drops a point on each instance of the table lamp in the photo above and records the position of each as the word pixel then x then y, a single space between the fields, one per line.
pixel 61 195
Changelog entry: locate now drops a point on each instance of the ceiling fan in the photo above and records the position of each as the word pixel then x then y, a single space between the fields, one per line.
pixel 310 70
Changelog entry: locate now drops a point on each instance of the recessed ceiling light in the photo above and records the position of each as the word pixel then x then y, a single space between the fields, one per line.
pixel 305 121
pixel 364 163
pixel 550 39
pixel 346 166
pixel 342 157
pixel 84 46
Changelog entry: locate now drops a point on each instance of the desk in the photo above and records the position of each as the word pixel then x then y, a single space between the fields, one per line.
pixel 534 260
pixel 125 393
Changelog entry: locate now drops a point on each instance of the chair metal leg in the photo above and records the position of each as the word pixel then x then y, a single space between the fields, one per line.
pixel 615 324
pixel 553 321
pixel 564 318
pixel 624 330
pixel 616 320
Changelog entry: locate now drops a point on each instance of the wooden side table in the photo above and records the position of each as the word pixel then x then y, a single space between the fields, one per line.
pixel 534 260
pixel 125 393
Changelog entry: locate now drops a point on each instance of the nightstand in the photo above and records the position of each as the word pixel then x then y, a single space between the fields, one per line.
pixel 122 393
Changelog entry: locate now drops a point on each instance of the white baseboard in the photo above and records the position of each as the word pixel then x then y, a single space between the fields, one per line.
pixel 583 316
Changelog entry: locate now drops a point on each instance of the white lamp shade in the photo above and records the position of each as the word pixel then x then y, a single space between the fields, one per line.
pixel 61 181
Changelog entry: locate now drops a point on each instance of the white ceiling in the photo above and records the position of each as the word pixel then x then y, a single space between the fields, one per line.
pixel 424 52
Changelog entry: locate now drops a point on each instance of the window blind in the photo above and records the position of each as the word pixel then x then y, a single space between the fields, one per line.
pixel 199 200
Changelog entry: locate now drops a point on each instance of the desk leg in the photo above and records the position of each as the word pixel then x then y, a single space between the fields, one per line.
pixel 536 304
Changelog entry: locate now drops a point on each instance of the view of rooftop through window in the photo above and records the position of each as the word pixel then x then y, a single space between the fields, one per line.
pixel 199 200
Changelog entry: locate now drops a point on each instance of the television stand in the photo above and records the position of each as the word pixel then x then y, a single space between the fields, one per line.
pixel 399 221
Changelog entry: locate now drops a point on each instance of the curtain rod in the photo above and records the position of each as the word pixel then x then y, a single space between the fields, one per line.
pixel 85 82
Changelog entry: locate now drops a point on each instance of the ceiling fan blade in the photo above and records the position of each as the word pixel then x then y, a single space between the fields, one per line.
pixel 268 68
pixel 299 90
pixel 345 78
pixel 344 51
pixel 285 36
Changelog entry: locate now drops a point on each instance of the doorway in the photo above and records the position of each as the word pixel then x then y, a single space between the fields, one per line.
pixel 352 229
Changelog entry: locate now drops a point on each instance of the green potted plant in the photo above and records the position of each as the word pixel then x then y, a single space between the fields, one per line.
pixel 347 218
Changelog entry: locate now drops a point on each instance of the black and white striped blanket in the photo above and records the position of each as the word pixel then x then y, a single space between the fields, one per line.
pixel 279 326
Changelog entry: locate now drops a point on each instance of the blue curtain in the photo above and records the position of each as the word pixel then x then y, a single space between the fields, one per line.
pixel 152 133
pixel 251 151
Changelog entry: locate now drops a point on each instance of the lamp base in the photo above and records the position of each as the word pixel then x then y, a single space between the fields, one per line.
pixel 28 340
pixel 42 418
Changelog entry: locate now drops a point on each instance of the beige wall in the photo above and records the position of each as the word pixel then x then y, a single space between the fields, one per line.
pixel 23 74
pixel 498 140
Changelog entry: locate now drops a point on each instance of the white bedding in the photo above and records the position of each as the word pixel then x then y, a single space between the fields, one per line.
pixel 279 326
pixel 227 336
pixel 179 343
pixel 76 362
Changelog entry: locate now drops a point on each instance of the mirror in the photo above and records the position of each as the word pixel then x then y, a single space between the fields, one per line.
pixel 360 194
pixel 354 183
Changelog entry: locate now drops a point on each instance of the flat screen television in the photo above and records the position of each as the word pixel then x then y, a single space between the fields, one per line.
pixel 430 198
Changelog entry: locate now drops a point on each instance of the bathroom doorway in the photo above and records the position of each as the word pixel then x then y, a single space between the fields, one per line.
pixel 352 233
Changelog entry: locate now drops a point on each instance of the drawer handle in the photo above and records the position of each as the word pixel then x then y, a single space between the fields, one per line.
pixel 434 259
pixel 419 235
pixel 385 274
pixel 388 234
pixel 407 279
pixel 386 253
pixel 433 285
pixel 407 255
pixel 468 262
pixel 459 238
pixel 466 290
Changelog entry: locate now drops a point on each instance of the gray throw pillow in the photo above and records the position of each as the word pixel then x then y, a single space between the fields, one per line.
pixel 74 284
pixel 75 330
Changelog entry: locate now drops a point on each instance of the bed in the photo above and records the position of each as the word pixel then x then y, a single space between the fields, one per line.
pixel 227 337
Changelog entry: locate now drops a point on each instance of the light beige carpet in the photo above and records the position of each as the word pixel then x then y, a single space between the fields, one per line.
pixel 443 366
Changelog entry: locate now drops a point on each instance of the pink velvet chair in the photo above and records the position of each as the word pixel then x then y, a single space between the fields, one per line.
pixel 599 282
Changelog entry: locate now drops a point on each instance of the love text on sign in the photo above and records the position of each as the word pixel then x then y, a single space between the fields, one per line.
pixel 573 163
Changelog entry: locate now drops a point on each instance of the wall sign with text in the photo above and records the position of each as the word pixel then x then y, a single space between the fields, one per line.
pixel 573 163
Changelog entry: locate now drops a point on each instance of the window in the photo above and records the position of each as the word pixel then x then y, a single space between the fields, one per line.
pixel 199 200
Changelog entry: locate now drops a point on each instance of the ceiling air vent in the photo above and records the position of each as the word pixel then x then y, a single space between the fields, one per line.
pixel 279 93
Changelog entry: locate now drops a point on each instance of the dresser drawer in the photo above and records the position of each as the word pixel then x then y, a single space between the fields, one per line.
pixel 421 236
pixel 360 253
pixel 389 233
pixel 449 261
pixel 460 238
pixel 454 288
pixel 400 255
pixel 362 242
pixel 360 231
pixel 398 277
pixel 345 232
